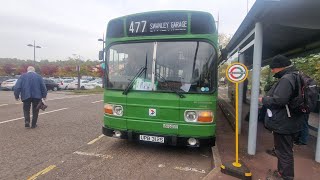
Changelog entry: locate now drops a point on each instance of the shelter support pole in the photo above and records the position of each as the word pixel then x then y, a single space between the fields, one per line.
pixel 255 88
pixel 240 97
pixel 318 142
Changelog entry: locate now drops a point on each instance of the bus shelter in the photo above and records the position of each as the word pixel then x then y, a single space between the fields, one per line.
pixel 273 27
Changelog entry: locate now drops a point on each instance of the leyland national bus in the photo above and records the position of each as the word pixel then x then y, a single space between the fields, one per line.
pixel 161 78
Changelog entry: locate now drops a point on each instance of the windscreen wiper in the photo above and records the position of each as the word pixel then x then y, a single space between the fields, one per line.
pixel 172 89
pixel 141 70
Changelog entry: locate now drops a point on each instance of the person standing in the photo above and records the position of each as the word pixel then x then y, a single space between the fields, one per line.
pixel 284 123
pixel 303 137
pixel 31 89
pixel 245 89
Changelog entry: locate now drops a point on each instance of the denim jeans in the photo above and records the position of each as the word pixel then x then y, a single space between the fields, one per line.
pixel 304 134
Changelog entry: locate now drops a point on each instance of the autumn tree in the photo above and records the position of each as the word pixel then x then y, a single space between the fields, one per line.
pixel 48 70
pixel 224 39
pixel 9 69
pixel 309 65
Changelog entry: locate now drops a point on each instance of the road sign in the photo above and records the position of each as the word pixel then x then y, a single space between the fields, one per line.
pixel 237 72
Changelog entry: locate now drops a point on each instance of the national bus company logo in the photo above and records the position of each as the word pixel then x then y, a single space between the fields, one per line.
pixel 152 112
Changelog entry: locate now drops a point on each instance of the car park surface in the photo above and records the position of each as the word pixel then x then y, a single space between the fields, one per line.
pixel 68 144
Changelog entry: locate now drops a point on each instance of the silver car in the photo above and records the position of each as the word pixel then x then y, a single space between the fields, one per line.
pixel 8 84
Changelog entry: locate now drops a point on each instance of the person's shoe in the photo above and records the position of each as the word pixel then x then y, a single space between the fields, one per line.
pixel 299 143
pixel 33 126
pixel 26 125
pixel 271 152
pixel 275 175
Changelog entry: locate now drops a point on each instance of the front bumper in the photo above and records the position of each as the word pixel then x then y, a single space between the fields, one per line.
pixel 168 139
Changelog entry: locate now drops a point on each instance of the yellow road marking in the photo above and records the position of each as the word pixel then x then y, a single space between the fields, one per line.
pixel 42 172
pixel 96 139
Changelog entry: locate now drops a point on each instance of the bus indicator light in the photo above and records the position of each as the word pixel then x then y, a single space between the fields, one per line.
pixel 205 116
pixel 108 109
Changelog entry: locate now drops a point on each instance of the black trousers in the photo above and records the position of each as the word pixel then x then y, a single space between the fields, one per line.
pixel 283 144
pixel 26 110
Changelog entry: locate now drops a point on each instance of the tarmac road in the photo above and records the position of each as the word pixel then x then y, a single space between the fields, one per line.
pixel 68 144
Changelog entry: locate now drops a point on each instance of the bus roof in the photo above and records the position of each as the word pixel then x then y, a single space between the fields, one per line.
pixel 161 11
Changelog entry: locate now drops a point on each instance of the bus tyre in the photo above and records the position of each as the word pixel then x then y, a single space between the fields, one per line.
pixel 82 88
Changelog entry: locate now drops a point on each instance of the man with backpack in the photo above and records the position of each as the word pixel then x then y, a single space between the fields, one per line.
pixel 284 123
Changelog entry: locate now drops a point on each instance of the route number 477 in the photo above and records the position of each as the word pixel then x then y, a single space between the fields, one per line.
pixel 137 27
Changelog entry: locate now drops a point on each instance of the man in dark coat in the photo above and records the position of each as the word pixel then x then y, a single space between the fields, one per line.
pixel 31 88
pixel 284 123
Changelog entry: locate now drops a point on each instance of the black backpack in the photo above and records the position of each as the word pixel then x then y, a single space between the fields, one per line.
pixel 307 98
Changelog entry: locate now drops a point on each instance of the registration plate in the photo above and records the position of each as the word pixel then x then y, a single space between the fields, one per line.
pixel 151 138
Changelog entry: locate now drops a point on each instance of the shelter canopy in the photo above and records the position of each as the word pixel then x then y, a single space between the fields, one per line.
pixel 290 27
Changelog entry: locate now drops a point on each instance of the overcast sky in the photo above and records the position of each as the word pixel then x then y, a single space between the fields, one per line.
pixel 66 27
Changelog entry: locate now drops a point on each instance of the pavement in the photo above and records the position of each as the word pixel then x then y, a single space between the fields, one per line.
pixel 260 163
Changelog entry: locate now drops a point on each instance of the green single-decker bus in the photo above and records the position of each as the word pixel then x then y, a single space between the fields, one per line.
pixel 161 78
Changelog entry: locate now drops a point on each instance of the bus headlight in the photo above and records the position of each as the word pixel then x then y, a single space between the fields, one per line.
pixel 118 110
pixel 190 116
pixel 204 116
pixel 111 109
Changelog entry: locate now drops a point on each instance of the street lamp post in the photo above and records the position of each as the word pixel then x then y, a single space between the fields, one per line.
pixel 34 51
pixel 103 60
pixel 78 70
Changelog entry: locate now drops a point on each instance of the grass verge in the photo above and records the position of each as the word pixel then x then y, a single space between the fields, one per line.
pixel 97 90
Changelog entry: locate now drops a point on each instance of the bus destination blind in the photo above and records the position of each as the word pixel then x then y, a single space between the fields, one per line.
pixel 157 24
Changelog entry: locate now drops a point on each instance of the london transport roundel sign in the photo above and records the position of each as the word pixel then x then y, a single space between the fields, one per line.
pixel 237 72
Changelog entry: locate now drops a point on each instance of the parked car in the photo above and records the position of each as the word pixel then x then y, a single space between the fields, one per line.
pixel 51 85
pixel 56 80
pixel 64 83
pixel 8 84
pixel 3 78
pixel 84 84
pixel 96 83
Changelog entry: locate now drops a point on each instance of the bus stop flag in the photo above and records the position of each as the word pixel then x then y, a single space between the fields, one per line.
pixel 236 73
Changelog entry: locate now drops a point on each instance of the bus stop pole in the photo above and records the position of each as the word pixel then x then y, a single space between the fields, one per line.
pixel 256 66
pixel 240 97
pixel 318 139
